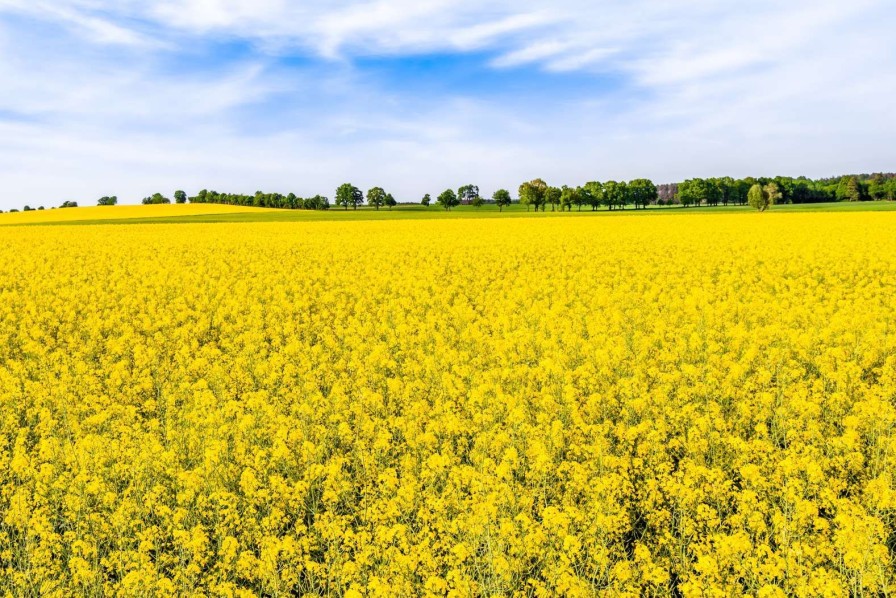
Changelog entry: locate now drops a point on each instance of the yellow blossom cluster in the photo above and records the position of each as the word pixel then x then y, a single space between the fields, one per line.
pixel 638 405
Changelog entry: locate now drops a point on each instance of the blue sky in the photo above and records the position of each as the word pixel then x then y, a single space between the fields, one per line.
pixel 128 97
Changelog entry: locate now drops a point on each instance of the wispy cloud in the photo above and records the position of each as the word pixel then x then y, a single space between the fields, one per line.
pixel 263 93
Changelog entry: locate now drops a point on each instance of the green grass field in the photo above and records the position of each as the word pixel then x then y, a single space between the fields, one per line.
pixel 414 212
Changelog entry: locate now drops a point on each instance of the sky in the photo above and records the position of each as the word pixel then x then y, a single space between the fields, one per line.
pixel 130 97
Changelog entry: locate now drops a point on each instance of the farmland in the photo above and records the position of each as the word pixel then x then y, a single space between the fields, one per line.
pixel 642 404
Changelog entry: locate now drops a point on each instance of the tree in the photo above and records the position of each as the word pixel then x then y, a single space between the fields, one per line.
pixel 155 198
pixel 180 196
pixel 570 196
pixel 467 194
pixel 390 201
pixel 447 199
pixel 501 198
pixel 67 204
pixel 773 193
pixel 762 197
pixel 532 194
pixel 756 198
pixel 697 191
pixel 552 196
pixel 107 201
pixel 854 190
pixel 615 194
pixel 426 200
pixel 594 194
pixel 348 195
pixel 642 192
pixel 376 197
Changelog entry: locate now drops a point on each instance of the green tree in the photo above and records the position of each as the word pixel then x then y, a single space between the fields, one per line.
pixel 390 201
pixel 642 192
pixel 467 194
pixel 376 197
pixel 593 194
pixel 107 201
pixel 552 196
pixel 756 198
pixel 569 197
pixel 180 196
pixel 447 199
pixel 854 190
pixel 426 200
pixel 614 194
pixel 762 197
pixel 532 194
pixel 501 198
pixel 694 192
pixel 348 195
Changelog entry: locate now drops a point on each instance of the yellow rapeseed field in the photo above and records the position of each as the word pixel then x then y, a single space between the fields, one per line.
pixel 93 213
pixel 653 405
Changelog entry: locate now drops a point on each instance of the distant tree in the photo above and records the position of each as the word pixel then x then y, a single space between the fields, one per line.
pixel 318 202
pixel 761 197
pixel 773 193
pixel 593 194
pixel 156 198
pixel 67 204
pixel 532 194
pixel 501 198
pixel 552 196
pixel 426 200
pixel 467 194
pixel 694 192
pixel 447 199
pixel 180 196
pixel 877 189
pixel 642 192
pixel 390 201
pixel 890 189
pixel 854 190
pixel 569 197
pixel 27 209
pixel 376 197
pixel 348 195
pixel 757 198
pixel 107 201
pixel 615 194
pixel 740 190
pixel 40 207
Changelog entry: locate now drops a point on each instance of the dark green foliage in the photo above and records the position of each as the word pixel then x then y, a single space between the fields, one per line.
pixel 447 199
pixel 155 198
pixel 349 195
pixel 501 197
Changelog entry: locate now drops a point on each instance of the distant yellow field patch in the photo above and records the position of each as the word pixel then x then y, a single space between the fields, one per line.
pixel 120 212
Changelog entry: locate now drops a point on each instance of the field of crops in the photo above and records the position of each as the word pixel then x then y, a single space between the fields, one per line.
pixel 701 406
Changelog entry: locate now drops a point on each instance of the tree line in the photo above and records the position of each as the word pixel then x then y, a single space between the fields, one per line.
pixel 538 195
